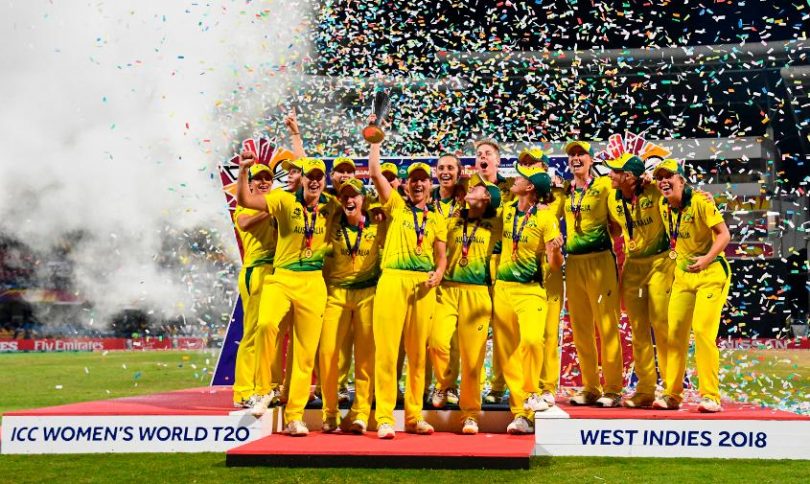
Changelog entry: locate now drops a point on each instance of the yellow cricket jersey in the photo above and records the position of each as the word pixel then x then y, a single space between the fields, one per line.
pixel 694 233
pixel 556 210
pixel 540 227
pixel 589 234
pixel 289 212
pixel 446 207
pixel 481 235
pixel 364 241
pixel 649 235
pixel 259 242
pixel 400 250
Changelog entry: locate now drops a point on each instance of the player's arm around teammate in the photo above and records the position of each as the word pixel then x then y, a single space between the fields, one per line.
pixel 592 281
pixel 698 236
pixel 413 263
pixel 296 287
pixel 351 271
pixel 520 299
pixel 646 279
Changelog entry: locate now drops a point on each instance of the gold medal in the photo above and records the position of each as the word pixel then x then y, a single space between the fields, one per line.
pixel 463 262
pixel 418 250
pixel 631 245
pixel 307 253
pixel 673 255
pixel 514 256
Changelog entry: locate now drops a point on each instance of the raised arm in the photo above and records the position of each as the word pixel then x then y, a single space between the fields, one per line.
pixel 291 122
pixel 244 197
pixel 246 222
pixel 375 171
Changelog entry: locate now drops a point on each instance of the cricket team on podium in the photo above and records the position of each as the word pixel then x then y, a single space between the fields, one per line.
pixel 422 272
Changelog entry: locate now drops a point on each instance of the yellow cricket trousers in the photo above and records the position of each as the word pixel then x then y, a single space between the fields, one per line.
pixel 696 302
pixel 645 286
pixel 593 304
pixel 302 296
pixel 496 381
pixel 348 314
pixel 555 292
pixel 403 309
pixel 464 310
pixel 250 290
pixel 519 323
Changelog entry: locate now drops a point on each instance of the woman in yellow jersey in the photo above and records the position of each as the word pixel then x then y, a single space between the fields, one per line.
pixel 296 288
pixel 554 286
pixel 464 304
pixel 351 271
pixel 413 263
pixel 448 198
pixel 258 236
pixel 646 279
pixel 592 281
pixel 487 162
pixel 520 300
pixel 697 237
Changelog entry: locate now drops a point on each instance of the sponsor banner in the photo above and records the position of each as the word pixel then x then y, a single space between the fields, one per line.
pixel 737 439
pixel 132 433
pixel 99 344
pixel 764 344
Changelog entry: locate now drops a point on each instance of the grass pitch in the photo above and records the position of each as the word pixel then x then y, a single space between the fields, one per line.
pixel 774 378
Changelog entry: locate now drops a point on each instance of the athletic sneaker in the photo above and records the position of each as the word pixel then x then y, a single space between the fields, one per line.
pixel 583 398
pixel 385 431
pixel 494 396
pixel 452 396
pixel 639 400
pixel 520 425
pixel 609 400
pixel 707 405
pixel 439 398
pixel 260 404
pixel 343 395
pixel 296 428
pixel 470 426
pixel 421 427
pixel 549 398
pixel 329 425
pixel 535 403
pixel 243 403
pixel 666 403
pixel 358 427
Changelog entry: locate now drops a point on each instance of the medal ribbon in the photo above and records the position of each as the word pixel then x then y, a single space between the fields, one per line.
pixel 627 218
pixel 352 249
pixel 309 231
pixel 420 229
pixel 452 208
pixel 515 233
pixel 577 209
pixel 465 240
pixel 673 232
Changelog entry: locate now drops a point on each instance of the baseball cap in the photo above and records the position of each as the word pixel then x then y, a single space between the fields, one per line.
pixel 343 160
pixel 289 164
pixel 494 192
pixel 537 177
pixel 582 144
pixel 308 165
pixel 627 162
pixel 259 168
pixel 355 184
pixel 535 155
pixel 669 165
pixel 418 165
pixel 389 167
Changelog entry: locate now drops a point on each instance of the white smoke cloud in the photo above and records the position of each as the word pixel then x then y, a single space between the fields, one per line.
pixel 115 117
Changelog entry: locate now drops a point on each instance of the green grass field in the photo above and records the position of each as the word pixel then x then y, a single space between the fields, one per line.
pixel 775 378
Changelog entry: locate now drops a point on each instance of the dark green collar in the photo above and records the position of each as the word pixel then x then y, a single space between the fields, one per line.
pixel 299 196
